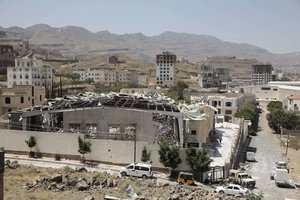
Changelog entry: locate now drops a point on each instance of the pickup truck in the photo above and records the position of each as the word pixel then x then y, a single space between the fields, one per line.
pixel 242 178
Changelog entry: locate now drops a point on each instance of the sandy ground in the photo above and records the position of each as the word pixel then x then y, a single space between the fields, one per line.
pixel 293 159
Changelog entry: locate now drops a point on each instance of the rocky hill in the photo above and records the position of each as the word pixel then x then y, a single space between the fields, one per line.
pixel 78 41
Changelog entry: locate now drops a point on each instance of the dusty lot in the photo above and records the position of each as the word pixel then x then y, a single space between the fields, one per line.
pixel 28 182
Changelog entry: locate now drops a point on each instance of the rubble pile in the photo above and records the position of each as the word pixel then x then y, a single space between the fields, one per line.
pixel 164 125
pixel 12 165
pixel 178 192
pixel 59 182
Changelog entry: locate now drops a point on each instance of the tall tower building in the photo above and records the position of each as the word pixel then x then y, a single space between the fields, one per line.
pixel 261 73
pixel 165 69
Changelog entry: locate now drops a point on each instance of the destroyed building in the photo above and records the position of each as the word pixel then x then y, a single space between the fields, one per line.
pixel 152 118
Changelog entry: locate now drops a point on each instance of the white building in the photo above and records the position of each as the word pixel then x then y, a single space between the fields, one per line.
pixel 29 71
pixel 108 76
pixel 165 69
pixel 225 103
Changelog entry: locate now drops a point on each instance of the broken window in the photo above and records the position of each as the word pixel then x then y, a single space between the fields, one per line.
pixel 114 131
pixel 193 132
pixel 129 131
pixel 91 129
pixel 74 128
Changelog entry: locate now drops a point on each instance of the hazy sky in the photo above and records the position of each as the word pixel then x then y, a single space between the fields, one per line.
pixel 270 24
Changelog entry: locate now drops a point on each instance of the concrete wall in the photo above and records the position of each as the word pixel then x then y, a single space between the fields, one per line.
pixel 118 152
pixel 103 117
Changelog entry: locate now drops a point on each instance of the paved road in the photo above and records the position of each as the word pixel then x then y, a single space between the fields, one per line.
pixel 268 152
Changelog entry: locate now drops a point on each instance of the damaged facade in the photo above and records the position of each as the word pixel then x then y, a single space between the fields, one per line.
pixel 152 118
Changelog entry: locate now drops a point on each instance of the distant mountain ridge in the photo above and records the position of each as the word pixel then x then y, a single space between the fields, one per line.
pixel 77 41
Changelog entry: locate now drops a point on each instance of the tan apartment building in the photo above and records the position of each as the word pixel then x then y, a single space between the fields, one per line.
pixel 198 129
pixel 20 96
pixel 108 76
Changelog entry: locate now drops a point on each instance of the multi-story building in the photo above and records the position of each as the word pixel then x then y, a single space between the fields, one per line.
pixel 29 71
pixel 261 73
pixel 166 69
pixel 20 96
pixel 7 57
pixel 225 103
pixel 108 76
pixel 213 76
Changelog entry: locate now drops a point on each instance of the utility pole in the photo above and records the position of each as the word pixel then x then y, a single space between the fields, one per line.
pixel 134 153
pixel 287 144
pixel 1 174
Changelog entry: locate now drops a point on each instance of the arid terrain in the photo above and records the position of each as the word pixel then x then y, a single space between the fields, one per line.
pixel 28 182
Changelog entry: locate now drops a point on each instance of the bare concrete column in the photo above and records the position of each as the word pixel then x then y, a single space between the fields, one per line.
pixel 180 127
pixel 24 123
pixel 1 174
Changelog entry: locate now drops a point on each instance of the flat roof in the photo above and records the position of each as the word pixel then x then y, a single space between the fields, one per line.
pixel 222 153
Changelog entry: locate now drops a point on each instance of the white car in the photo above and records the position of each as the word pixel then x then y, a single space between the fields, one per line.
pixel 232 189
pixel 138 170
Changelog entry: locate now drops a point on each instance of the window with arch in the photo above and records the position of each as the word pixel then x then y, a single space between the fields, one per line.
pixel 228 104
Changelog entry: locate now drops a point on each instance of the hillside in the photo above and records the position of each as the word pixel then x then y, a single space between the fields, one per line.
pixel 78 41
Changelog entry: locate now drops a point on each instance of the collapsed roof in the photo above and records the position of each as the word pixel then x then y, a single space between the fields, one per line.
pixel 151 101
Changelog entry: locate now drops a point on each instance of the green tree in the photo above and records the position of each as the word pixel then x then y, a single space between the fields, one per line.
pixel 180 88
pixel 247 111
pixel 273 105
pixel 199 161
pixel 278 118
pixel 176 92
pixel 250 112
pixel 290 121
pixel 275 119
pixel 89 81
pixel 31 142
pixel 146 155
pixel 84 147
pixel 169 156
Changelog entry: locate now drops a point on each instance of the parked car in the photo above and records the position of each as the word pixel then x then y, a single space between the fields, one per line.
pixel 232 189
pixel 250 156
pixel 137 170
